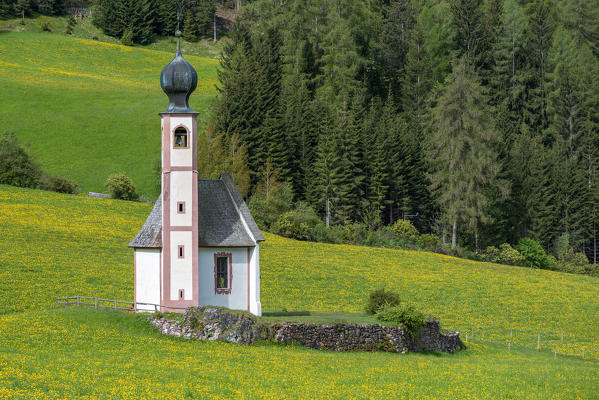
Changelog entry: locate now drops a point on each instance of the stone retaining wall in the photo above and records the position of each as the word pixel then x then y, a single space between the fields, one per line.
pixel 213 323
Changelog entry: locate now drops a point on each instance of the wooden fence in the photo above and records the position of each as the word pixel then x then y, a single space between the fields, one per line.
pixel 97 302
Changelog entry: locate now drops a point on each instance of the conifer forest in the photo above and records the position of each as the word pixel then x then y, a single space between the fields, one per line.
pixel 476 120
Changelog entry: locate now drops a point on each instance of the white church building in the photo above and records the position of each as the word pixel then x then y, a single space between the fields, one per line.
pixel 199 245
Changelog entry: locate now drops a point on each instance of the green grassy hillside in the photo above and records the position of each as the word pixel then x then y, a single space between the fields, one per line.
pixel 76 245
pixel 55 245
pixel 86 109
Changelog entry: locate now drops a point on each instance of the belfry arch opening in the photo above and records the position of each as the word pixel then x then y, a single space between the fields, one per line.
pixel 180 138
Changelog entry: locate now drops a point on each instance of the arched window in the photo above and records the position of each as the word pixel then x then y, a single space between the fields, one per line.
pixel 181 137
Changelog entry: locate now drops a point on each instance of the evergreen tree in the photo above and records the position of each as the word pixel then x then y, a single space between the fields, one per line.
pixel 462 155
pixel 541 27
pixel 529 205
pixel 301 127
pixel 417 83
pixel 582 18
pixel 394 43
pixel 469 29
pixel 191 29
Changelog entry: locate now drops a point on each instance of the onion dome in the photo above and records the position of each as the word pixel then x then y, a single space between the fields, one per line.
pixel 178 80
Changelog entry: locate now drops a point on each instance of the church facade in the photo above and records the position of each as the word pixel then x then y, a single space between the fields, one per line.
pixel 200 244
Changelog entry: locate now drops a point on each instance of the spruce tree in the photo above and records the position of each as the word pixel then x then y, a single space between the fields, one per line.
pixel 462 153
pixel 191 29
pixel 469 28
pixel 540 33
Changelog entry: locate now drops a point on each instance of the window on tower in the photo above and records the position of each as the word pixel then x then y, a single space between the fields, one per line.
pixel 180 137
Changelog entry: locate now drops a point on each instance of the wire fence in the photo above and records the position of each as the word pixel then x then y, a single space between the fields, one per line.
pixel 554 341
pixel 97 302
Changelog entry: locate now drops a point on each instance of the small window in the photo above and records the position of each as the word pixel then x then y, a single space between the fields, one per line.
pixel 180 207
pixel 180 137
pixel 181 252
pixel 181 294
pixel 222 273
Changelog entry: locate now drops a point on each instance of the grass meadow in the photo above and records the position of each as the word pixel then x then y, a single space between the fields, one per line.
pixel 85 109
pixel 55 245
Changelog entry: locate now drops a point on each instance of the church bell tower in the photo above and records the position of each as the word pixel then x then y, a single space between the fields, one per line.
pixel 179 185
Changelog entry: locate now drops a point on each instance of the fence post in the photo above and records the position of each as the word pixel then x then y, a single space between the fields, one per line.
pixel 77 301
pixel 539 342
pixel 509 347
pixel 511 333
pixel 57 302
pixel 96 302
pixel 583 352
pixel 155 308
pixel 466 337
pixel 115 304
pixel 562 336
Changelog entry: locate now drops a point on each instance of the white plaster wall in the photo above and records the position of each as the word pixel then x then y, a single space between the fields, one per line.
pixel 237 300
pixel 181 157
pixel 255 305
pixel 147 277
pixel 181 268
pixel 181 190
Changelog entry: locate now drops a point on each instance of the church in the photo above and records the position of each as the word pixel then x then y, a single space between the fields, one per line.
pixel 199 245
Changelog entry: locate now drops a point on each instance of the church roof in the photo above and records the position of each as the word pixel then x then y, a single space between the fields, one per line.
pixel 224 219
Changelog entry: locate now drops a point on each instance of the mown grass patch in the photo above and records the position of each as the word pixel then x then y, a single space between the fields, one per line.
pixel 77 353
pixel 86 109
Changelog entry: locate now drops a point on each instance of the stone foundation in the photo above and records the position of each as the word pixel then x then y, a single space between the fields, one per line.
pixel 213 323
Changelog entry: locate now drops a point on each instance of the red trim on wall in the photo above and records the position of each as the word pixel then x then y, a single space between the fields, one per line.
pixel 187 141
pixel 248 278
pixel 167 228
pixel 181 229
pixel 180 207
pixel 228 289
pixel 194 143
pixel 166 234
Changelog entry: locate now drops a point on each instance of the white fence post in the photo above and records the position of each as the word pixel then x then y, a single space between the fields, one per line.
pixel 539 342
pixel 95 302
pixel 77 301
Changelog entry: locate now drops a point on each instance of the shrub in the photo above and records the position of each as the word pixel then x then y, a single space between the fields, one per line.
pixel 127 38
pixel 403 314
pixel 509 256
pixel 299 223
pixel 491 254
pixel 266 210
pixel 71 24
pixel 380 298
pixel 428 241
pixel 574 263
pixel 121 187
pixel 404 229
pixel 533 253
pixel 16 167
pixel 60 185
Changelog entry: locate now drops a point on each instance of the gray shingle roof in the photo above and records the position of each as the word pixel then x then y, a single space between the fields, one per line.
pixel 150 235
pixel 224 219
